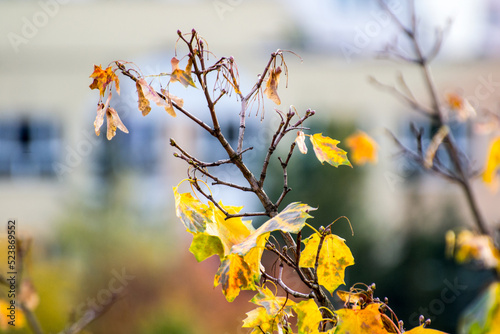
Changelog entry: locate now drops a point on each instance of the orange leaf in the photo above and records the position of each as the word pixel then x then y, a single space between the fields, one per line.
pixel 102 78
pixel 183 76
pixel 490 176
pixel 460 106
pixel 364 321
pixel 144 105
pixel 326 149
pixel 363 148
pixel 301 142
pixel 271 90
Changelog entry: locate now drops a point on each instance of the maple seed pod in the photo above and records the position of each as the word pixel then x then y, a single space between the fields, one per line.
pixel 179 32
pixel 176 155
pixel 386 300
pixel 421 319
pixel 427 323
pixel 172 142
pixel 321 229
pixel 285 249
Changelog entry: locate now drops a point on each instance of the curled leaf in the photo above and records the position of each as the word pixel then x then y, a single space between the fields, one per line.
pixel 271 90
pixel 114 122
pixel 183 76
pixel 459 105
pixel 148 93
pixel 326 149
pixel 363 148
pixel 102 78
pixel 301 142
pixel 144 105
pixel 434 145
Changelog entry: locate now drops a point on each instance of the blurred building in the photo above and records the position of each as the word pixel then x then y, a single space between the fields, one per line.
pixel 50 156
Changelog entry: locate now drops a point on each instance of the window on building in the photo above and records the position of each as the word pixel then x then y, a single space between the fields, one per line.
pixel 28 147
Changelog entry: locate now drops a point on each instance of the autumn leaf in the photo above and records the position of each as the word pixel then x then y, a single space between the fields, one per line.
pixel 291 219
pixel 234 274
pixel 271 303
pixel 363 148
pixel 490 176
pixel 301 142
pixel 260 320
pixel 272 313
pixel 326 149
pixel 364 321
pixel 333 258
pixel 148 93
pixel 102 78
pixel 308 316
pixel 183 76
pixel 194 214
pixel 355 300
pixel 422 330
pixel 113 120
pixel 483 314
pixel 271 90
pixel 469 246
pixel 144 105
pixel 461 108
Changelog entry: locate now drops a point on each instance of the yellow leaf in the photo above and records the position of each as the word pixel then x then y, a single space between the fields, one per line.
pixel 102 78
pixel 422 330
pixel 470 246
pixel 490 176
pixel 258 318
pixel 363 148
pixel 301 142
pixel 308 316
pixel 364 321
pixel 271 90
pixel 334 257
pixel 194 214
pixel 271 303
pixel 326 149
pixel 5 316
pixel 235 274
pixel 291 219
pixel 183 76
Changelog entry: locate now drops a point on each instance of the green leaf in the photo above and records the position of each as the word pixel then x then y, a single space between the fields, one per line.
pixel 334 257
pixel 205 245
pixel 291 219
pixel 326 149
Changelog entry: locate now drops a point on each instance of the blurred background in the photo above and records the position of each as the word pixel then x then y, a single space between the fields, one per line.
pixel 100 214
